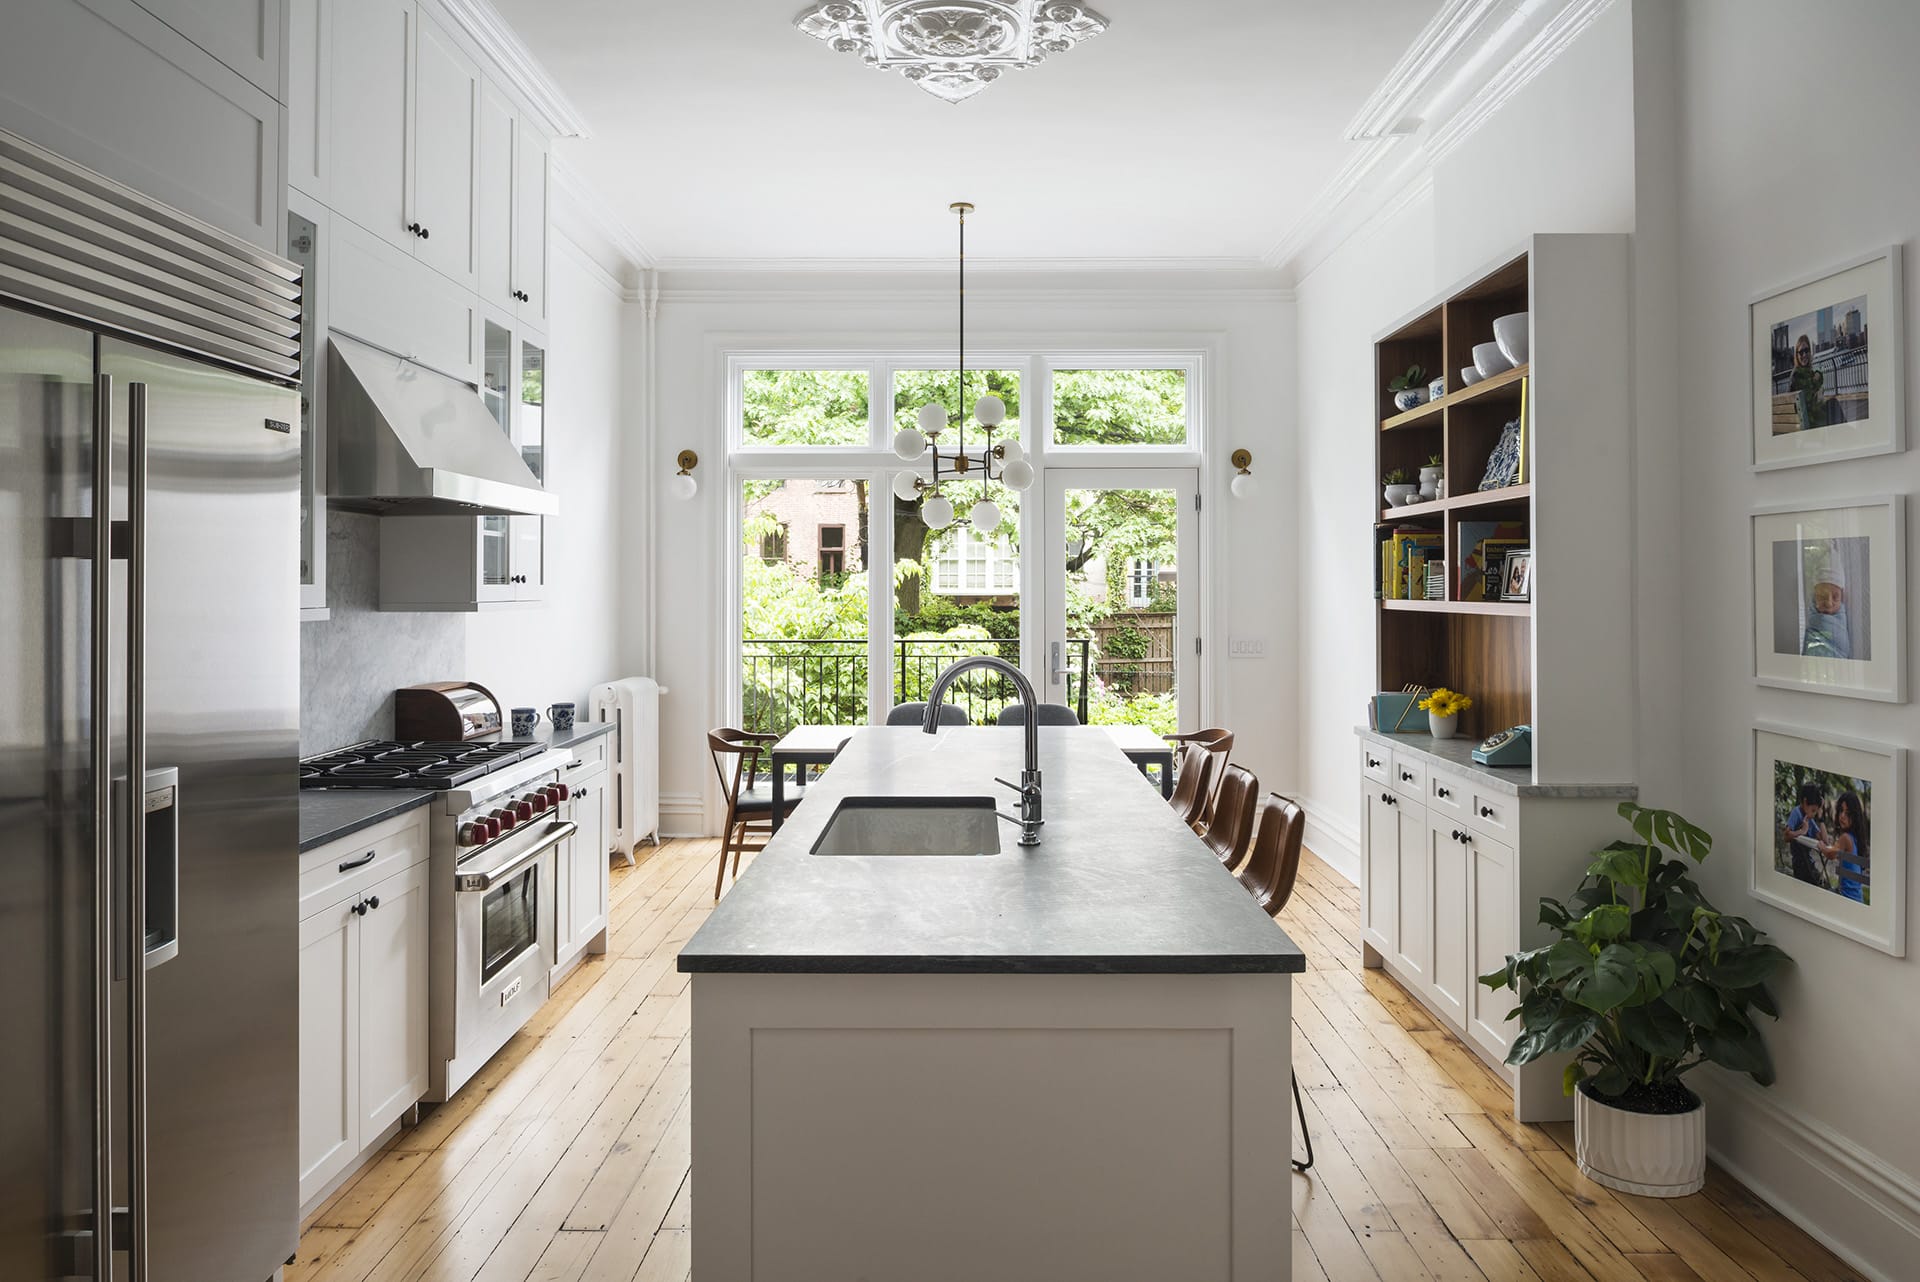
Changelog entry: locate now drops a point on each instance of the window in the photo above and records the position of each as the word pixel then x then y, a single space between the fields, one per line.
pixel 803 407
pixel 773 545
pixel 1140 572
pixel 833 552
pixel 968 565
pixel 1120 407
pixel 913 388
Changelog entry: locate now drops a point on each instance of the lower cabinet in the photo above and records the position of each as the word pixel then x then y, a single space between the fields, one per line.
pixel 582 897
pixel 363 993
pixel 1445 854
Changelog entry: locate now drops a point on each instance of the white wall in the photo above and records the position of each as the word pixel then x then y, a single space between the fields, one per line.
pixel 1254 571
pixel 1795 154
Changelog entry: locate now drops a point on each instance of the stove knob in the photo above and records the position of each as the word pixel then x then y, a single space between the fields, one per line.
pixel 538 800
pixel 472 834
pixel 560 792
pixel 523 810
pixel 492 827
pixel 506 817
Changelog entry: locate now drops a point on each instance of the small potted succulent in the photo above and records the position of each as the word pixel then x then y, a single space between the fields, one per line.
pixel 1645 982
pixel 1443 708
pixel 1430 477
pixel 1400 489
pixel 1409 389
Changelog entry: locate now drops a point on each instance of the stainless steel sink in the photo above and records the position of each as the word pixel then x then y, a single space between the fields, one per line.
pixel 911 826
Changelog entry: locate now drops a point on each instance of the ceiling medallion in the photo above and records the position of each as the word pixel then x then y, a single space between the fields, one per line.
pixel 951 48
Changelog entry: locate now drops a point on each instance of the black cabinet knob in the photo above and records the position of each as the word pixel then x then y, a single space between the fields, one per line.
pixel 1405 777
pixel 359 909
pixel 373 901
pixel 1466 838
pixel 1440 791
pixel 424 233
pixel 1456 834
pixel 414 228
pixel 1372 764
pixel 1486 812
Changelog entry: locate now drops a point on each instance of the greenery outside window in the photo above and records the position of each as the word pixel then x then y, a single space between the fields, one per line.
pixel 1120 407
pixel 803 407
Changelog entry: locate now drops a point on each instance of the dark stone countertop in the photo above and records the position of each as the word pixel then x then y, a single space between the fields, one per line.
pixel 582 732
pixel 1515 781
pixel 327 814
pixel 1118 885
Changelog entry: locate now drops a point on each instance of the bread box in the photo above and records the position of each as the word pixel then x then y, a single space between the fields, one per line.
pixel 444 710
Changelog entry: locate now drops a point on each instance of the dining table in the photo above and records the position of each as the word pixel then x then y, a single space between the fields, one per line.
pixel 806 747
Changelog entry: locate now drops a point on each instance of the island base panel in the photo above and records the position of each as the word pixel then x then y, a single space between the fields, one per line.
pixel 955 1127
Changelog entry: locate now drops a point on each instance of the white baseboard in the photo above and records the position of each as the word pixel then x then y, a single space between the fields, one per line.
pixel 1848 1199
pixel 1337 844
pixel 683 814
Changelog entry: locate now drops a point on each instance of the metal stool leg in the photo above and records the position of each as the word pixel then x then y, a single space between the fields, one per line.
pixel 1301 1110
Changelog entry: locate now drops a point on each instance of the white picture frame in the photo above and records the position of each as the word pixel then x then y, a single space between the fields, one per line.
pixel 1807 636
pixel 1857 406
pixel 1790 873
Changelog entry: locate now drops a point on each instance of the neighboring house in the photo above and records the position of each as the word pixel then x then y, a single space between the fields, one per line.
pixel 969 568
pixel 819 530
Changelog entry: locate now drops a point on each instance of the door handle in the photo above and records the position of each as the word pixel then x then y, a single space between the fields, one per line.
pixel 104 916
pixel 361 862
pixel 1058 657
pixel 137 825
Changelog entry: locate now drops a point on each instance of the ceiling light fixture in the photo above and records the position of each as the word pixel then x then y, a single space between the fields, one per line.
pixel 951 48
pixel 912 444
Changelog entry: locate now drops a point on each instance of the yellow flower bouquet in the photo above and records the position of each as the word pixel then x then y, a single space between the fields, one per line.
pixel 1445 703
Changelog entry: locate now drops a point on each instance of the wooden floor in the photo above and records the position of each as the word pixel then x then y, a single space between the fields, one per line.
pixel 566 1157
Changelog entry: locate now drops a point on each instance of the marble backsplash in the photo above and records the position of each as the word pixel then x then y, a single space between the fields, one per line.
pixel 351 663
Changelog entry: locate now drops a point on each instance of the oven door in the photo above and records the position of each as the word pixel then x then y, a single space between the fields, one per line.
pixel 505 947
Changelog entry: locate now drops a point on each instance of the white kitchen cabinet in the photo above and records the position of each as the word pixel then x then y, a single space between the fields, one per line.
pixel 243 34
pixel 444 96
pixel 499 120
pixel 364 932
pixel 309 95
pixel 367 115
pixel 1454 861
pixel 533 178
pixel 583 872
pixel 377 293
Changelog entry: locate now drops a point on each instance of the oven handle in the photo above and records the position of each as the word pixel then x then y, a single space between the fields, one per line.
pixel 494 876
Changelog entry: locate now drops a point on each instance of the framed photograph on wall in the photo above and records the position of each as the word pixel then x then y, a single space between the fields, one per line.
pixel 1828 843
pixel 1517 584
pixel 1821 390
pixel 1829 597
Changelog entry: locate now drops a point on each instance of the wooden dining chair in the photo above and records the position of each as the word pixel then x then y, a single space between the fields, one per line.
pixel 1193 784
pixel 913 714
pixel 1229 829
pixel 736 760
pixel 1269 875
pixel 1218 744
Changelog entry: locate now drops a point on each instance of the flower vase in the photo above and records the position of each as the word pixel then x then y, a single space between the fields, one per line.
pixel 1443 727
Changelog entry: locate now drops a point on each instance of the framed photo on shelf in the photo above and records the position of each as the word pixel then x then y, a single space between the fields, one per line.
pixel 1829 597
pixel 1517 583
pixel 1821 390
pixel 1829 845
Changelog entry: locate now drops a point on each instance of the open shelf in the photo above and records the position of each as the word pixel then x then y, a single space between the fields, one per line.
pixel 1501 387
pixel 1470 501
pixel 1509 608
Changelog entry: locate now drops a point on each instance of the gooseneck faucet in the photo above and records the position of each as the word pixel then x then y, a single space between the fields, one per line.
pixel 1029 785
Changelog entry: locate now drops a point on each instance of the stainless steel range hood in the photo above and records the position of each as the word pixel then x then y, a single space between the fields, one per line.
pixel 405 441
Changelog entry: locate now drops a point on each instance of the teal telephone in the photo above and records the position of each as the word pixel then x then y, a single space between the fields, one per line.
pixel 1512 747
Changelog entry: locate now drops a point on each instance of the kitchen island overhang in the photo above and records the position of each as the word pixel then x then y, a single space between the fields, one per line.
pixel 1051 1061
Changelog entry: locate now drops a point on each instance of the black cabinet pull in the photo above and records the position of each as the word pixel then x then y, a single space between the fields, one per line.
pixel 373 901
pixel 583 792
pixel 1440 790
pixel 1466 838
pixel 424 233
pixel 1372 764
pixel 1456 834
pixel 414 228
pixel 1405 777
pixel 1486 812
pixel 361 862
pixel 359 909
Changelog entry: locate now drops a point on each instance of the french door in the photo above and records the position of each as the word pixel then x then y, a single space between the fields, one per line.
pixel 1121 579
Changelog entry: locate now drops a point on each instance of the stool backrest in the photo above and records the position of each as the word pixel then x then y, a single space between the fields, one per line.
pixel 913 714
pixel 1230 829
pixel 1192 785
pixel 1274 865
pixel 736 755
pixel 1045 714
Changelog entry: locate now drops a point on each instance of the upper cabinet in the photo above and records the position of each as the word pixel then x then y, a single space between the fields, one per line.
pixel 243 34
pixel 367 121
pixel 532 180
pixel 445 146
pixel 514 195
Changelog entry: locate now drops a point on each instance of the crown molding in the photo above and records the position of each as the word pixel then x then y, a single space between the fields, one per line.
pixel 947 265
pixel 1384 113
pixel 753 292
pixel 588 205
pixel 481 23
pixel 1535 56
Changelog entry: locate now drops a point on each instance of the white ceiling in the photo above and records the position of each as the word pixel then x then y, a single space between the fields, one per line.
pixel 1191 133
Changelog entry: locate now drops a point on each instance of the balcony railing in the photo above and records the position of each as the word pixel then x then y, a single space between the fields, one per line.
pixel 786 683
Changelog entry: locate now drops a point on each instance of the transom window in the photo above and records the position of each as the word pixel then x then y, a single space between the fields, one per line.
pixel 1120 407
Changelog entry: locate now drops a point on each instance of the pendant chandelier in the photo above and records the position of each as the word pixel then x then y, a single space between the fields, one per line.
pixel 1005 463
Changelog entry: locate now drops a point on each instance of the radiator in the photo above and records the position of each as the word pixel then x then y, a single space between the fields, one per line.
pixel 632 706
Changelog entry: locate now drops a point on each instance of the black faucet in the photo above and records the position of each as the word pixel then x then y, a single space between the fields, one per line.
pixel 1029 785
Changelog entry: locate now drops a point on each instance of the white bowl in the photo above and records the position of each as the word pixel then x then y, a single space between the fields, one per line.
pixel 1489 360
pixel 1510 333
pixel 1469 376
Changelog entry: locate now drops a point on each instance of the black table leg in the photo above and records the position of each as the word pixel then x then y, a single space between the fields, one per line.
pixel 779 793
pixel 1166 776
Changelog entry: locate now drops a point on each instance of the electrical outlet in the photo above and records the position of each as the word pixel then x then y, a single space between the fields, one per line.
pixel 1247 647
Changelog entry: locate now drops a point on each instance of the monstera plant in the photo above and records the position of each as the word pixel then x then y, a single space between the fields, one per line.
pixel 1645 982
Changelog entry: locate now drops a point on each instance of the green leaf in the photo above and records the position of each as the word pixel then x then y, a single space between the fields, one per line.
pixel 1697 1003
pixel 1611 1081
pixel 1656 1028
pixel 1605 923
pixel 1610 982
pixel 1567 958
pixel 1658 971
pixel 1745 967
pixel 1571 1077
pixel 1620 862
pixel 1743 1052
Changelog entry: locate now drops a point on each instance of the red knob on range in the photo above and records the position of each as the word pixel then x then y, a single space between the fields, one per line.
pixel 561 790
pixel 538 800
pixel 506 818
pixel 471 834
pixel 492 826
pixel 523 810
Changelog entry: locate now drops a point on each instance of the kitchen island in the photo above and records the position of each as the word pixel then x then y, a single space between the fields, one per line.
pixel 1070 1059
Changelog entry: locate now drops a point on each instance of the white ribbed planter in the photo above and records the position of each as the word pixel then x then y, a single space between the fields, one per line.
pixel 1652 1154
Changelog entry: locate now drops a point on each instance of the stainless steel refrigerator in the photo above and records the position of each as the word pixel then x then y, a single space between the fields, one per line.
pixel 149 717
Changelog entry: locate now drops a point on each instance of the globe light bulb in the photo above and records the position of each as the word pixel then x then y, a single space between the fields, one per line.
pixel 1244 486
pixel 909 444
pixel 990 410
pixel 1018 475
pixel 1011 451
pixel 937 512
pixel 933 419
pixel 684 486
pixel 906 486
pixel 985 516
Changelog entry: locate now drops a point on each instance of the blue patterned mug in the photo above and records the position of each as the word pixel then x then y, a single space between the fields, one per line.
pixel 561 715
pixel 524 720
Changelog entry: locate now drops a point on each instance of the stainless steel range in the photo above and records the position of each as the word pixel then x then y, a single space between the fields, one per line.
pixel 501 813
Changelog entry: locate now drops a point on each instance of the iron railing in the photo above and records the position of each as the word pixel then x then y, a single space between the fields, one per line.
pixel 788 682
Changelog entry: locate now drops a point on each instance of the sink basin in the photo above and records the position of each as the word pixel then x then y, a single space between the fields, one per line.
pixel 911 826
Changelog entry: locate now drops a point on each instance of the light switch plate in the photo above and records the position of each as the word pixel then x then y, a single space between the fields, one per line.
pixel 1247 647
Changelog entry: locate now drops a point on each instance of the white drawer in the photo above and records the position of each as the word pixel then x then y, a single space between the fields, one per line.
pixel 343 868
pixel 1493 812
pixel 1376 761
pixel 588 759
pixel 1448 795
pixel 1409 776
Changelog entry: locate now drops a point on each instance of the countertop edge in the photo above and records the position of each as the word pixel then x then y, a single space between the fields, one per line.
pixel 755 964
pixel 397 804
pixel 1498 777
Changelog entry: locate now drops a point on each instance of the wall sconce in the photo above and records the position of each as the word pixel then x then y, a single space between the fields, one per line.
pixel 684 484
pixel 1244 486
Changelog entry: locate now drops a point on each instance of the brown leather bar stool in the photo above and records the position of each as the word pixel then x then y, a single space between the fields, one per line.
pixel 1192 784
pixel 1218 744
pixel 1268 876
pixel 1229 829
pixel 736 759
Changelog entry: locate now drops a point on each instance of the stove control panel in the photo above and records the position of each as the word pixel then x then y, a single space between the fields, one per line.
pixel 511 813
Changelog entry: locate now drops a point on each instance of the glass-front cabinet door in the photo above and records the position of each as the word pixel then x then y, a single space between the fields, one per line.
pixel 303 246
pixel 497 393
pixel 527 551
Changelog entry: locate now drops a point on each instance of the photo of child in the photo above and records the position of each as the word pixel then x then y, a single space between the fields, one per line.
pixel 1822 829
pixel 1820 367
pixel 1820 608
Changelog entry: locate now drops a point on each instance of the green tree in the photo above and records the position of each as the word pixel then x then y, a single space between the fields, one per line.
pixel 1120 407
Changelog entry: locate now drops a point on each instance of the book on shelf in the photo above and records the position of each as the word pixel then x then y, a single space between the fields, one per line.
pixel 1520 474
pixel 1404 553
pixel 1494 554
pixel 1436 581
pixel 1471 539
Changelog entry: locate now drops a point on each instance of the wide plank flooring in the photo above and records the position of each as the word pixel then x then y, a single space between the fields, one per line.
pixel 566 1158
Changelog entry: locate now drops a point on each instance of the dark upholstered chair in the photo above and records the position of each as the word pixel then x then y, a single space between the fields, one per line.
pixel 1218 744
pixel 1046 714
pixel 913 714
pixel 1193 784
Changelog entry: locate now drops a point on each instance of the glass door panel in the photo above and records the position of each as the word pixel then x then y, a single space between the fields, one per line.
pixel 1121 590
pixel 803 603
pixel 496 389
pixel 527 553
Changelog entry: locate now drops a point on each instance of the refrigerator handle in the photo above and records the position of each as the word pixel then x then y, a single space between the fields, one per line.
pixel 137 825
pixel 104 918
